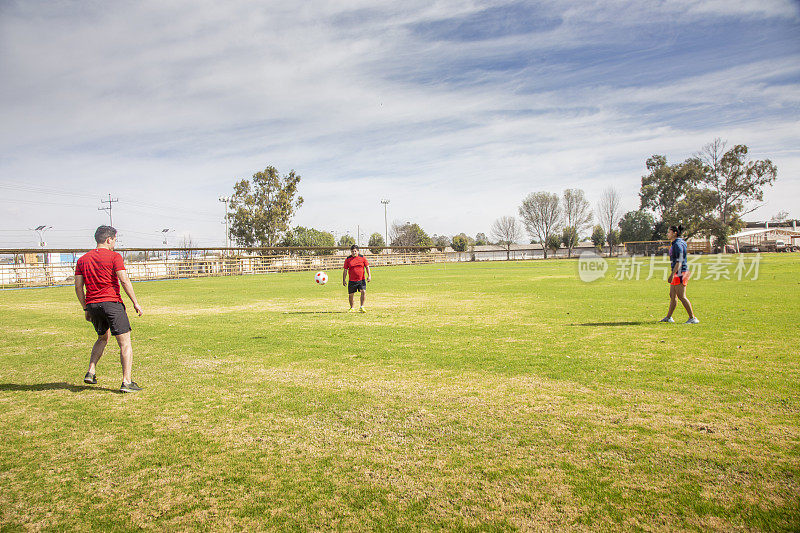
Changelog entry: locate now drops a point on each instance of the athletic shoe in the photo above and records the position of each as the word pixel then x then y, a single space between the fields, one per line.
pixel 362 310
pixel 129 387
pixel 693 320
pixel 667 319
pixel 90 378
pixel 350 310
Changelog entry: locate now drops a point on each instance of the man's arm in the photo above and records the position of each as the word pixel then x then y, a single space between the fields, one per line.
pixel 369 276
pixel 79 283
pixel 125 281
pixel 344 277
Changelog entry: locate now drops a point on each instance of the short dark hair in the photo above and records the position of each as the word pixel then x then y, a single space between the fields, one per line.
pixel 354 247
pixel 103 233
pixel 677 229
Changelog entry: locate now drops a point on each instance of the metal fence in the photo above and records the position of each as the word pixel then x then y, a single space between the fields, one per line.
pixel 38 268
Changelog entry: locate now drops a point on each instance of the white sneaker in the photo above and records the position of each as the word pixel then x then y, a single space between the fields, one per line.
pixel 693 320
pixel 667 319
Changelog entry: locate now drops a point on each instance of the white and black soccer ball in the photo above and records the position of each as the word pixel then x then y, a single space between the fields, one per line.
pixel 321 278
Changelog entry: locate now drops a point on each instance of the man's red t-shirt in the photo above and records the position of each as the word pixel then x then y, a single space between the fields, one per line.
pixel 355 267
pixel 99 270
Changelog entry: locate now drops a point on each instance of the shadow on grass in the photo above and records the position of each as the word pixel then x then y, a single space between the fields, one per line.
pixel 640 323
pixel 62 385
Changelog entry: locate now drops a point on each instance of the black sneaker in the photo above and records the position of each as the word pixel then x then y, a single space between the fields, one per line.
pixel 90 378
pixel 129 387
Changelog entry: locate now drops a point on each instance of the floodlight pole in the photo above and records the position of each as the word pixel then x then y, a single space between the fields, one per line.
pixel 385 203
pixel 225 200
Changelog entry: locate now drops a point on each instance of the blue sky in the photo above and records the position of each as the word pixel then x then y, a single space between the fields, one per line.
pixel 454 111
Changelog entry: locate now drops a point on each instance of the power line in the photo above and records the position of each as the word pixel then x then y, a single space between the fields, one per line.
pixel 57 192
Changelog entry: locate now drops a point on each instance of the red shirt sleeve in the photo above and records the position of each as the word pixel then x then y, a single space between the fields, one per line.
pixel 79 268
pixel 117 263
pixel 347 263
pixel 366 263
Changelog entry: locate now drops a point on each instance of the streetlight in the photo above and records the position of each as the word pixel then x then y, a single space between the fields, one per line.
pixel 40 231
pixel 385 203
pixel 225 200
pixel 165 232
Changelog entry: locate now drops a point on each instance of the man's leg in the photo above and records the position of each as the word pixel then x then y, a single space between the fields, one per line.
pixel 97 351
pixel 363 297
pixel 673 300
pixel 125 355
pixel 350 297
pixel 680 293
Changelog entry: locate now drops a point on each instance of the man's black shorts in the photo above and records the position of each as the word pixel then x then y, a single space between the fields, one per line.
pixel 354 286
pixel 107 315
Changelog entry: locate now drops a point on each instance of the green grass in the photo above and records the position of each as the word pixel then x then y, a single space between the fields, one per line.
pixel 475 397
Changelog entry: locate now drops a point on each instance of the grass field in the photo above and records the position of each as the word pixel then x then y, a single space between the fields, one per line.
pixel 470 397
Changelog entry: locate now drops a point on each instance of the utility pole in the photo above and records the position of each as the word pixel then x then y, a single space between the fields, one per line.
pixel 385 203
pixel 358 235
pixel 225 200
pixel 109 202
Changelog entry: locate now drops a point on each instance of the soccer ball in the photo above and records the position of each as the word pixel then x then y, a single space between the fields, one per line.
pixel 321 278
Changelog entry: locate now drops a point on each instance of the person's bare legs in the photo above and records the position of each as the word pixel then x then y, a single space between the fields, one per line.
pixel 363 298
pixel 351 296
pixel 125 355
pixel 673 300
pixel 97 351
pixel 680 293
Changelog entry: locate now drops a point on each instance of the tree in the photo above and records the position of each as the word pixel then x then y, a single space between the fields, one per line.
pixel 598 236
pixel 481 239
pixel 780 216
pixel 636 226
pixel 541 213
pixel 664 189
pixel 346 241
pixel 506 231
pixel 613 239
pixel 407 235
pixel 440 242
pixel 608 210
pixel 569 238
pixel 376 243
pixel 262 208
pixel 462 242
pixel 730 182
pixel 708 193
pixel 301 237
pixel 186 244
pixel 577 214
pixel 553 242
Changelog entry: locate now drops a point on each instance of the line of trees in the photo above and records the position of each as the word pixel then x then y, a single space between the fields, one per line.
pixel 557 221
pixel 708 194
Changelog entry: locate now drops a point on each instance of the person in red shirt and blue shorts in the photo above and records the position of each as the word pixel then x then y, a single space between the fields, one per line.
pixel 101 272
pixel 356 266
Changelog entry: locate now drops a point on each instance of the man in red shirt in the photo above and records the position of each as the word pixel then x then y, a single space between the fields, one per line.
pixel 355 266
pixel 101 272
